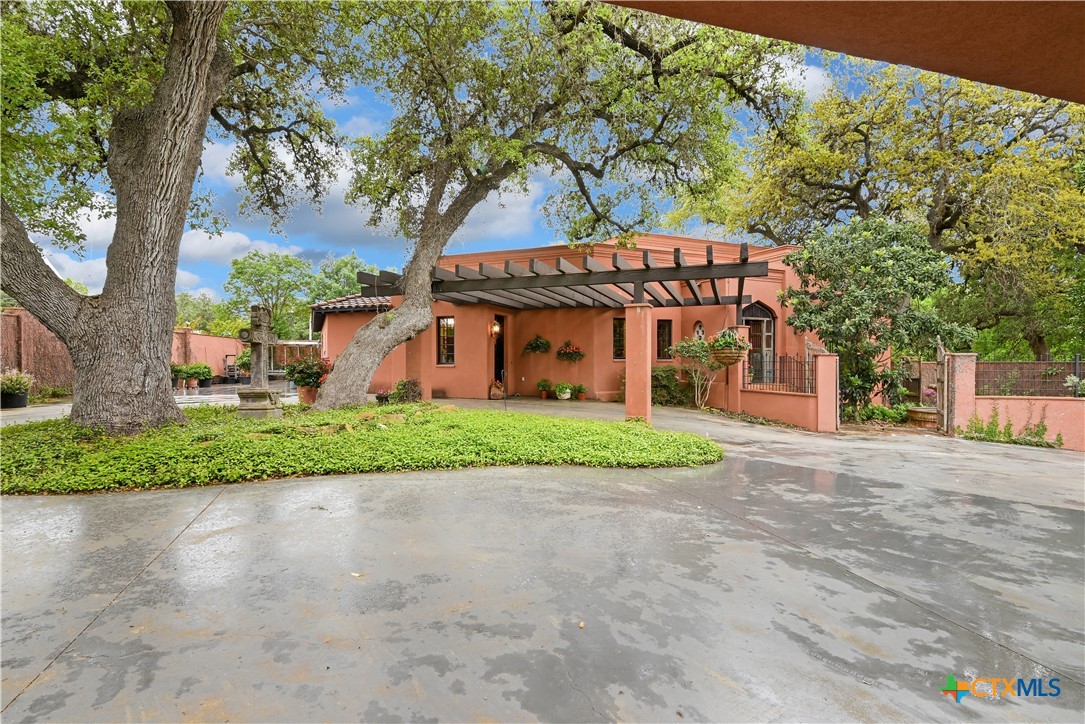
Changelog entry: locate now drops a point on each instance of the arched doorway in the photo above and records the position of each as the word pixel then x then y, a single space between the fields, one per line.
pixel 762 323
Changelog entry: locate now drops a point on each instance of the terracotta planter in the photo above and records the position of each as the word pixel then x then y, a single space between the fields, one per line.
pixel 582 395
pixel 923 417
pixel 9 400
pixel 544 394
pixel 307 395
pixel 192 384
pixel 728 357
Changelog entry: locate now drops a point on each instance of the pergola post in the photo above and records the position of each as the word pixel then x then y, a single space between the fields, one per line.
pixel 638 361
pixel 734 374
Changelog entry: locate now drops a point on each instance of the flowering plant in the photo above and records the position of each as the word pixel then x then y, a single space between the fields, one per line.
pixel 569 352
pixel 727 339
pixel 496 385
pixel 12 382
pixel 307 372
pixel 930 396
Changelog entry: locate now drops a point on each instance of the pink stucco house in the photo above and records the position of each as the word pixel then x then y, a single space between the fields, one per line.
pixel 471 345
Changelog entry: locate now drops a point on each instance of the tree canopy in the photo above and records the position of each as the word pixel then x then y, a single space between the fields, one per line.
pixel 992 175
pixel 106 106
pixel 620 107
pixel 859 289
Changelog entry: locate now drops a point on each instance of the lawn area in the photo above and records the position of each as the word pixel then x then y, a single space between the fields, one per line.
pixel 216 446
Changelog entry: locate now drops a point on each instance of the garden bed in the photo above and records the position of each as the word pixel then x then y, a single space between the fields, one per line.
pixel 216 446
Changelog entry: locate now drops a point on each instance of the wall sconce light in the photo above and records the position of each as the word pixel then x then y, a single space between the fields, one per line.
pixel 495 328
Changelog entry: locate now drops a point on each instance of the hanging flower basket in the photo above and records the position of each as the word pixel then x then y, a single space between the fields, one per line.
pixel 728 357
pixel 570 352
pixel 727 348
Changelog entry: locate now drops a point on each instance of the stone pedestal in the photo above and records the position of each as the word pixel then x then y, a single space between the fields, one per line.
pixel 259 403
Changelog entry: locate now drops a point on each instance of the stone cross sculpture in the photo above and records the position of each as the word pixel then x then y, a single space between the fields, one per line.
pixel 258 400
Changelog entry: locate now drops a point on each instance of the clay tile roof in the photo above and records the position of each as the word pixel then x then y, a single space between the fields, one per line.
pixel 354 303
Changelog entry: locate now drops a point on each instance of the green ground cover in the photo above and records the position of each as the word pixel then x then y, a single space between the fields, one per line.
pixel 216 446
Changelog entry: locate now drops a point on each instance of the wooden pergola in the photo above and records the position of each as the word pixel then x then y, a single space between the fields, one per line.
pixel 591 284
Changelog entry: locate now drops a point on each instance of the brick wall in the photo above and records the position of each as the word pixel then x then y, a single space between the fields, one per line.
pixel 27 345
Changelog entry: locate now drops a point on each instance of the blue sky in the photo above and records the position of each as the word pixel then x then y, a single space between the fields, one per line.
pixel 509 221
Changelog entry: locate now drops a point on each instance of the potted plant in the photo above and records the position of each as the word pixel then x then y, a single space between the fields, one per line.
pixel 727 348
pixel 563 390
pixel 382 396
pixel 244 364
pixel 544 388
pixel 189 376
pixel 497 390
pixel 15 388
pixel 569 352
pixel 308 375
pixel 537 345
pixel 580 391
pixel 202 373
pixel 177 373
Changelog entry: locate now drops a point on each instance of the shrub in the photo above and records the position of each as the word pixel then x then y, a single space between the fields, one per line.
pixel 308 372
pixel 667 387
pixel 696 359
pixel 406 391
pixel 580 390
pixel 562 388
pixel 543 385
pixel 538 345
pixel 244 360
pixel 1075 384
pixel 992 431
pixel 897 414
pixel 177 371
pixel 13 381
pixel 199 371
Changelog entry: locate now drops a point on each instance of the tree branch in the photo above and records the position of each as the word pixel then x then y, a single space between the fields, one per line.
pixel 29 279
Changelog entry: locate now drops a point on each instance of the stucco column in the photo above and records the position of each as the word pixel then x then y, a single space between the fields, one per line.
pixel 960 390
pixel 734 374
pixel 826 384
pixel 638 361
pixel 421 353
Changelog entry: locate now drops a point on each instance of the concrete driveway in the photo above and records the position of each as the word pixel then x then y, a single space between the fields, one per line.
pixel 805 578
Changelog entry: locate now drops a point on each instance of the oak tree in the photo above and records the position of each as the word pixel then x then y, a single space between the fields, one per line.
pixel 107 106
pixel 621 107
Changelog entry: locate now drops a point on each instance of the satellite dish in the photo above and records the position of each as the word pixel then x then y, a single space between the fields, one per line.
pixel 245 335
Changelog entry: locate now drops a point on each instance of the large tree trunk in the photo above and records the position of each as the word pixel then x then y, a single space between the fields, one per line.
pixel 354 368
pixel 349 381
pixel 120 341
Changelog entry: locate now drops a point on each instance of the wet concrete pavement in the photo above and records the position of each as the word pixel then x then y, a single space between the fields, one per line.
pixel 804 578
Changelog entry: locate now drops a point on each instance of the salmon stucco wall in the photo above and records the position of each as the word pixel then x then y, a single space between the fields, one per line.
pixel 190 347
pixel 1063 415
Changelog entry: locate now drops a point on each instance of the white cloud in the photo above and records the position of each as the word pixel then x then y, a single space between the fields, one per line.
pixel 215 158
pixel 199 245
pixel 215 294
pixel 505 216
pixel 88 271
pixel 186 280
pixel 813 80
pixel 360 126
